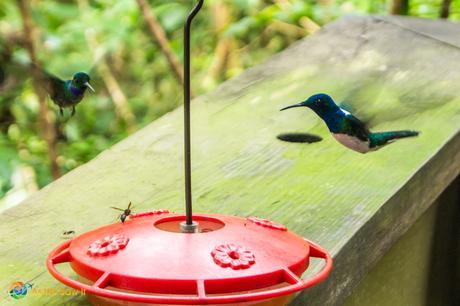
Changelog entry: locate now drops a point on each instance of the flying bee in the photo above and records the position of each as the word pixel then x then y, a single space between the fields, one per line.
pixel 126 212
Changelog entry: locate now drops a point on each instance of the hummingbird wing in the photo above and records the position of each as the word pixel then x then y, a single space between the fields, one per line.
pixel 376 99
pixel 354 127
pixel 352 103
pixel 99 57
pixel 51 83
pixel 92 69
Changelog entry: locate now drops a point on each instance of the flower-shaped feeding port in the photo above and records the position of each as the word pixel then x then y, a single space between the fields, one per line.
pixel 150 213
pixel 233 256
pixel 267 223
pixel 108 245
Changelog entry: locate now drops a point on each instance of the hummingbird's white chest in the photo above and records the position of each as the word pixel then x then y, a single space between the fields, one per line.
pixel 353 143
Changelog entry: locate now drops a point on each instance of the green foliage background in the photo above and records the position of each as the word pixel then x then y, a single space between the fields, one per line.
pixel 258 29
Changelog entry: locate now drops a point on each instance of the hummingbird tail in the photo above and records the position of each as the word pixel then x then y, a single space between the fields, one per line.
pixel 383 138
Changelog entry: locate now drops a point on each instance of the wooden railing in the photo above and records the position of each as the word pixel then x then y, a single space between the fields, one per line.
pixel 400 73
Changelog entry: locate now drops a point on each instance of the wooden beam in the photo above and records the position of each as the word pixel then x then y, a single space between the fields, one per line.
pixel 354 205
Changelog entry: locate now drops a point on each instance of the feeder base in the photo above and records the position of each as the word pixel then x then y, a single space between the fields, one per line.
pixel 100 301
pixel 149 261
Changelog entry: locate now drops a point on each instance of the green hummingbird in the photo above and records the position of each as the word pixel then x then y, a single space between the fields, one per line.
pixel 65 93
pixel 346 128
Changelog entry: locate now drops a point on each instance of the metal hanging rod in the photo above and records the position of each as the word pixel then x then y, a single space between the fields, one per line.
pixel 187 136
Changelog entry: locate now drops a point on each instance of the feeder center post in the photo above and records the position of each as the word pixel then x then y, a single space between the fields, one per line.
pixel 189 226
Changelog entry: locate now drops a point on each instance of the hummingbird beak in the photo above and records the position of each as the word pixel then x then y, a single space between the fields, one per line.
pixel 295 105
pixel 87 84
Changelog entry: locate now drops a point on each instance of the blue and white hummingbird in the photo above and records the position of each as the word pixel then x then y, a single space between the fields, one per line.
pixel 346 128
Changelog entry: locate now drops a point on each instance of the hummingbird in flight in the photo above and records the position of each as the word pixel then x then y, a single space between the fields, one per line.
pixel 65 93
pixel 346 128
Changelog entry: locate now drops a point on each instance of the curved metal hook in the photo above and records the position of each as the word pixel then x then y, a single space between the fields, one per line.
pixel 187 146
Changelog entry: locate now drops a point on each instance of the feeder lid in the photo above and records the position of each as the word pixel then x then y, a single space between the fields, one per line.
pixel 231 259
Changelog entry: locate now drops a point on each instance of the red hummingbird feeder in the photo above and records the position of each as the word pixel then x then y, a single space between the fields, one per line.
pixel 160 258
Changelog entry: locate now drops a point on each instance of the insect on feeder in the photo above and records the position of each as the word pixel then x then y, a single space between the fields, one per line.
pixel 160 258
